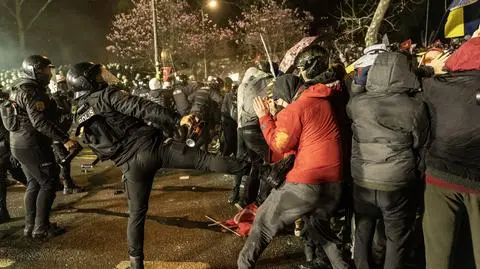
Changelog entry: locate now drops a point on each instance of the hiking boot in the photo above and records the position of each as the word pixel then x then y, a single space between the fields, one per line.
pixel 52 231
pixel 136 263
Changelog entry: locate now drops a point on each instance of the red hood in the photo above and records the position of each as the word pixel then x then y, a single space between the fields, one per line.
pixel 320 90
pixel 465 58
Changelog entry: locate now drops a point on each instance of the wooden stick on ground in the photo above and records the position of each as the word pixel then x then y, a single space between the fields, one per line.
pixel 223 226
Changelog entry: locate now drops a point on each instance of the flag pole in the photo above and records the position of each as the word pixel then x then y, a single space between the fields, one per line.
pixel 268 57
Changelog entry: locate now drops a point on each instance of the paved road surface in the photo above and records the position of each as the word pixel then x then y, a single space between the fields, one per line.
pixel 177 232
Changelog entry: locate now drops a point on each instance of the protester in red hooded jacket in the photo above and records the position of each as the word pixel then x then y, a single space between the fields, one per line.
pixel 313 187
pixel 452 195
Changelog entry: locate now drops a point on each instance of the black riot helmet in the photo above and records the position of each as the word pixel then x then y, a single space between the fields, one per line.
pixel 312 62
pixel 85 78
pixel 32 66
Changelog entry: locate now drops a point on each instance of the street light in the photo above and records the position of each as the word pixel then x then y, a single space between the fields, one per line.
pixel 212 4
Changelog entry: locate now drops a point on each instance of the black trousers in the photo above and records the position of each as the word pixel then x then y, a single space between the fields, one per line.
pixel 397 209
pixel 139 173
pixel 252 145
pixel 229 127
pixel 7 166
pixel 315 203
pixel 38 164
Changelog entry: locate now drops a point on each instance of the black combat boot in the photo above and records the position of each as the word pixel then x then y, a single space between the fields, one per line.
pixel 52 231
pixel 69 187
pixel 136 263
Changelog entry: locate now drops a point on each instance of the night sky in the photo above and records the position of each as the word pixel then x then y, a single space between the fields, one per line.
pixel 71 31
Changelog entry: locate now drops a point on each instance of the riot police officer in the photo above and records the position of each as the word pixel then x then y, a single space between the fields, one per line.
pixel 161 94
pixel 6 165
pixel 114 126
pixel 32 130
pixel 63 99
pixel 206 102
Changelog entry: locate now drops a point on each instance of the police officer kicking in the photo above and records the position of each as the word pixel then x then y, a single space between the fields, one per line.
pixel 32 129
pixel 120 127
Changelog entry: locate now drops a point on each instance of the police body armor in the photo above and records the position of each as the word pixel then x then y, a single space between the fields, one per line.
pixel 103 132
pixel 13 116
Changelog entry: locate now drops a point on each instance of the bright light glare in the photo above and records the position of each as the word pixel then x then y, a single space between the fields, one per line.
pixel 213 4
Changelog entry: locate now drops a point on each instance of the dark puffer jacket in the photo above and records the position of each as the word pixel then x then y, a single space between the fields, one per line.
pixel 454 154
pixel 389 127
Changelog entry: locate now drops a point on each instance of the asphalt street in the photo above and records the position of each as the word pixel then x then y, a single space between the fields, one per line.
pixel 178 234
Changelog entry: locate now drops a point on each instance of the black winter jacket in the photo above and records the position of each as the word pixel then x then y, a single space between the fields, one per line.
pixel 454 153
pixel 64 110
pixel 229 105
pixel 389 127
pixel 128 115
pixel 162 97
pixel 36 115
pixel 205 103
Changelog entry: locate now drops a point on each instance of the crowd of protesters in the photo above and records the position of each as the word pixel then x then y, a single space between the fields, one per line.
pixel 392 145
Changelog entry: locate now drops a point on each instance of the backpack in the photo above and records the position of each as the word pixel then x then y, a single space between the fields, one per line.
pixel 9 112
pixel 97 133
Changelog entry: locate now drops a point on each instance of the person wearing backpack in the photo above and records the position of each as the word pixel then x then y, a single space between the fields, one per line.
pixel 7 165
pixel 114 126
pixel 33 128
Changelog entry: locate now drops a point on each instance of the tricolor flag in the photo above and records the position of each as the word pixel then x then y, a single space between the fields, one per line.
pixel 463 19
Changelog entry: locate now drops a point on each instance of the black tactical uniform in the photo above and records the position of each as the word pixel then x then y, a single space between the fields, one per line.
pixel 63 100
pixel 180 97
pixel 6 165
pixel 114 127
pixel 206 103
pixel 31 141
pixel 163 97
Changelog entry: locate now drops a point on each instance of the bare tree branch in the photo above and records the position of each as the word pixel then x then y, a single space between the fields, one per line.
pixel 40 11
pixel 10 11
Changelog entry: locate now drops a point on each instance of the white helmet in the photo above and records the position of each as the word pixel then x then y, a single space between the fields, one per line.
pixel 155 84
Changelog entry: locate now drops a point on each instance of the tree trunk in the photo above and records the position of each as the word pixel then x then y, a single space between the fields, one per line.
pixel 20 26
pixel 372 32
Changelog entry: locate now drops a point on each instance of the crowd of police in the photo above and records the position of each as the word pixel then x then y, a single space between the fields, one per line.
pixel 299 144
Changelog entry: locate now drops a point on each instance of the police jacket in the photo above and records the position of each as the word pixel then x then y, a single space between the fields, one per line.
pixel 64 110
pixel 390 128
pixel 205 103
pixel 128 118
pixel 36 116
pixel 162 97
pixel 180 97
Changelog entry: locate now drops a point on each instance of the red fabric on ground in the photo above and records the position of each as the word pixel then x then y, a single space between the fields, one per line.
pixel 243 220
